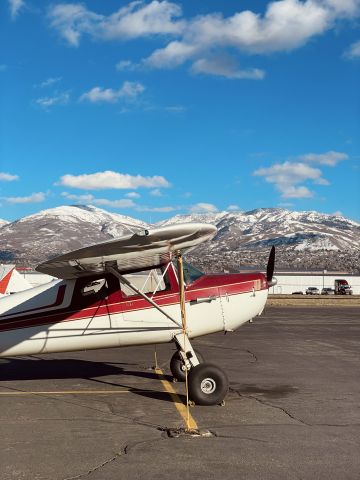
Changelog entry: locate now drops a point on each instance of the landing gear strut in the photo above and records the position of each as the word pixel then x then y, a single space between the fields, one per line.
pixel 177 365
pixel 208 384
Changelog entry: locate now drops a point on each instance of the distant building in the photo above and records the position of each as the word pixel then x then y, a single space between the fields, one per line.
pixel 289 282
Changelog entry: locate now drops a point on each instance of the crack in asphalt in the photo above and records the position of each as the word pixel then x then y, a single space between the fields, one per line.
pixel 264 402
pixel 166 433
pixel 125 450
pixel 253 355
pixel 122 452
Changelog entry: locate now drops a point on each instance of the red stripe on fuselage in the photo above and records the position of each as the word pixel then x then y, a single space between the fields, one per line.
pixel 128 304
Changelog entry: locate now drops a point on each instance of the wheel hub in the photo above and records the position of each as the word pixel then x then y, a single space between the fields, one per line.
pixel 208 386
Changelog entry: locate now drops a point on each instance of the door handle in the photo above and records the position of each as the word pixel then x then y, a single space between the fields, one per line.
pixel 203 300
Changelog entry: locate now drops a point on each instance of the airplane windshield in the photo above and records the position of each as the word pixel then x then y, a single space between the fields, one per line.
pixel 191 273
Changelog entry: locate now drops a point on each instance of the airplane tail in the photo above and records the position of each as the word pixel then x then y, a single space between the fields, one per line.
pixel 5 278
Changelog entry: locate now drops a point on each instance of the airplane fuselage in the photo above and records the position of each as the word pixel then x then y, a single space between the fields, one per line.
pixel 62 315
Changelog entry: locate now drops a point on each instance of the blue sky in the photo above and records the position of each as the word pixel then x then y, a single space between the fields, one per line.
pixel 150 109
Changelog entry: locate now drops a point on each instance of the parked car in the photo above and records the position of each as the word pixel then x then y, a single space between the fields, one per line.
pixel 327 291
pixel 298 293
pixel 312 291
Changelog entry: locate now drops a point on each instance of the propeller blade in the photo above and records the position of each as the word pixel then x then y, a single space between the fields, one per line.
pixel 271 265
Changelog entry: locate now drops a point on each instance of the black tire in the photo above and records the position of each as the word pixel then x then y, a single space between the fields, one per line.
pixel 177 366
pixel 208 384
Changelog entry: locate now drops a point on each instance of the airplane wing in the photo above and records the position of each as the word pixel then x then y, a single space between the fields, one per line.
pixel 152 247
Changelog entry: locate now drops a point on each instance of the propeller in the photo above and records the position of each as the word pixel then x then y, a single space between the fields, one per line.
pixel 270 268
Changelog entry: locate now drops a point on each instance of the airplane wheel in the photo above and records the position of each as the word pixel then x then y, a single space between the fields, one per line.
pixel 208 384
pixel 177 366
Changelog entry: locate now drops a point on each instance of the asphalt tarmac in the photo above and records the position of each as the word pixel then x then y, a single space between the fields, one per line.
pixel 293 410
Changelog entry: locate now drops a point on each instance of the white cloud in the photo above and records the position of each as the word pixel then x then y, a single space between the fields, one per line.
pixel 49 82
pixel 128 91
pixel 132 21
pixel 112 180
pixel 132 195
pixel 285 25
pixel 90 199
pixel 71 20
pixel 34 198
pixel 126 65
pixel 224 66
pixel 120 203
pixel 156 209
pixel 50 101
pixel 296 192
pixel 8 177
pixel 173 55
pixel 203 208
pixel 156 193
pixel 87 198
pixel 330 158
pixel 233 208
pixel 342 8
pixel 286 176
pixel 353 51
pixel 15 7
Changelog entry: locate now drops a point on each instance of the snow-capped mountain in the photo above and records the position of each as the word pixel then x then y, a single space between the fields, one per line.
pixel 308 240
pixel 304 240
pixel 213 218
pixel 276 226
pixel 52 232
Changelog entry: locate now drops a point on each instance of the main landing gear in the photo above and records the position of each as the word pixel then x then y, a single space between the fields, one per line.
pixel 207 383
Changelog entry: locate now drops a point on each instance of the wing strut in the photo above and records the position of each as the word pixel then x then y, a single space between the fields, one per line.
pixel 148 299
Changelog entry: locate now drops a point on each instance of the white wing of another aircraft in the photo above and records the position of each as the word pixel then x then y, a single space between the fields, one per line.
pixel 138 251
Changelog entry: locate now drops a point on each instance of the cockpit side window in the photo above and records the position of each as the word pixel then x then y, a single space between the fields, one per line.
pixel 191 273
pixel 147 281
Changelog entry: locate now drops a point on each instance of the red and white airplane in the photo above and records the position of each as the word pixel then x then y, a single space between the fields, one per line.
pixel 135 290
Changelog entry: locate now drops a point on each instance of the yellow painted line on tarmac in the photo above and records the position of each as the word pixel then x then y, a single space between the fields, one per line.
pixel 181 408
pixel 69 392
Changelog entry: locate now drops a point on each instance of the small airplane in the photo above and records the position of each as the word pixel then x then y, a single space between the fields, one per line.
pixel 136 290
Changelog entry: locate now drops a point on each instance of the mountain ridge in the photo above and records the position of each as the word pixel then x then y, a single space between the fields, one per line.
pixel 303 239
